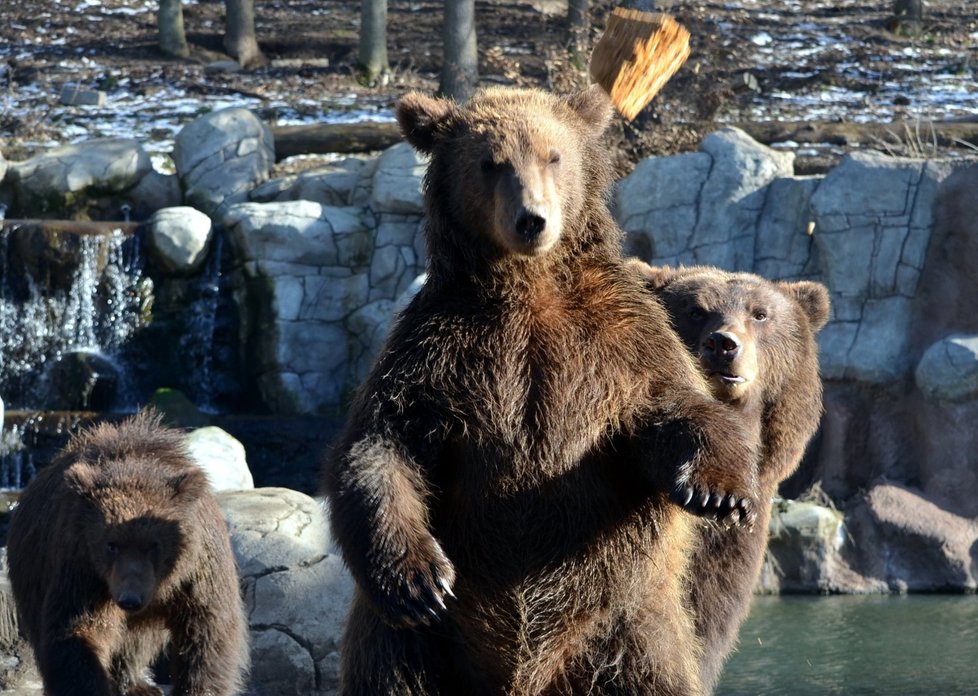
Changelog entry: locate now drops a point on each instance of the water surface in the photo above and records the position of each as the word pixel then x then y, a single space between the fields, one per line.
pixel 915 645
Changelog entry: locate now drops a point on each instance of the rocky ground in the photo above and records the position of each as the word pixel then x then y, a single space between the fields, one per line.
pixel 753 60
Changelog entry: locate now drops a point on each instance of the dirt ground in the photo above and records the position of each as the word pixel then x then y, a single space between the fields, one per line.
pixel 311 46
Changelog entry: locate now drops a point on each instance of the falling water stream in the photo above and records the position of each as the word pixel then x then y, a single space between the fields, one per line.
pixel 49 309
pixel 70 297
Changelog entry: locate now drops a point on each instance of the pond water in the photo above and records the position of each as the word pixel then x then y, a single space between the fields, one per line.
pixel 857 646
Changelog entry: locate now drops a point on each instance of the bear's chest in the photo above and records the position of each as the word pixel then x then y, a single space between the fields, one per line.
pixel 548 381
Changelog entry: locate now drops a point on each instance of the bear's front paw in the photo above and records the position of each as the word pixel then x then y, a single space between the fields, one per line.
pixel 141 688
pixel 729 508
pixel 719 480
pixel 413 589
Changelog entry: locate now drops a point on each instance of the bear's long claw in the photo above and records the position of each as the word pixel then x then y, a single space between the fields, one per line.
pixel 440 602
pixel 446 588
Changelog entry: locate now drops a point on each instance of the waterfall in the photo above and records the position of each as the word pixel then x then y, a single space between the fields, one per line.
pixel 63 293
pixel 197 343
pixel 16 459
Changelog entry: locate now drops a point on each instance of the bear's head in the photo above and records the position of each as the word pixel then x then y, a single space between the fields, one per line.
pixel 134 515
pixel 752 336
pixel 511 171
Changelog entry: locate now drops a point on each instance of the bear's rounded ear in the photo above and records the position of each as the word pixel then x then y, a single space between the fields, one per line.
pixel 594 106
pixel 813 298
pixel 655 277
pixel 188 486
pixel 80 477
pixel 418 117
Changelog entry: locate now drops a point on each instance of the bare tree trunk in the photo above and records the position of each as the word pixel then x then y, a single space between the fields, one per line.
pixel 173 40
pixel 907 17
pixel 372 63
pixel 578 25
pixel 460 61
pixel 239 33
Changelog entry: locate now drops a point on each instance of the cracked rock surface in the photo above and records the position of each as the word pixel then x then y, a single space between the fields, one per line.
pixel 295 587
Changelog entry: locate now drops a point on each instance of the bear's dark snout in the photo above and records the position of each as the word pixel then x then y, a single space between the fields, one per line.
pixel 721 347
pixel 529 225
pixel 130 601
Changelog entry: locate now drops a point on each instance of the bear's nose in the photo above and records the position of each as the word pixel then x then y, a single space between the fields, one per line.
pixel 130 601
pixel 722 344
pixel 529 225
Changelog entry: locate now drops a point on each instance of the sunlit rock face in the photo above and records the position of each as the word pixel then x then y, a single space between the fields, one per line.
pixel 297 590
pixel 180 238
pixel 76 179
pixel 220 157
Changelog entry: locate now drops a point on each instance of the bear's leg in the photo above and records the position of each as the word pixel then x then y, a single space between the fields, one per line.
pixel 380 660
pixel 644 660
pixel 70 667
pixel 139 648
pixel 209 650
pixel 74 648
pixel 143 688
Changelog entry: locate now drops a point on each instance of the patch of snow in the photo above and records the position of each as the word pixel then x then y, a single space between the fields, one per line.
pixel 762 39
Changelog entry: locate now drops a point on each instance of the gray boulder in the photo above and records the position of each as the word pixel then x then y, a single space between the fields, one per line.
pixel 61 179
pixel 335 184
pixel 949 369
pixel 804 544
pixel 397 181
pixel 180 238
pixel 220 157
pixel 909 542
pixel 222 458
pixel 296 588
pixel 154 192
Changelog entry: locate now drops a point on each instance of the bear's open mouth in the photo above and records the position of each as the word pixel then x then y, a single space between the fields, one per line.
pixel 727 378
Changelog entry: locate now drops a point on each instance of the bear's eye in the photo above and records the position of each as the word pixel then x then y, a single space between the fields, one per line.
pixel 760 315
pixel 155 547
pixel 696 314
pixel 111 549
pixel 555 156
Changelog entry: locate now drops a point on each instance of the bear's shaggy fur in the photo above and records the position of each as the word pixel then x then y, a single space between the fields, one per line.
pixel 117 549
pixel 755 341
pixel 501 491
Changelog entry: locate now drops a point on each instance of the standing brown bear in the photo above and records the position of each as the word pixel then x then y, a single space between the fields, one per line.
pixel 501 490
pixel 755 342
pixel 117 548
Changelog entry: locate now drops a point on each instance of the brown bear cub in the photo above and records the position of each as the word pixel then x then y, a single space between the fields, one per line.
pixel 755 341
pixel 505 489
pixel 117 549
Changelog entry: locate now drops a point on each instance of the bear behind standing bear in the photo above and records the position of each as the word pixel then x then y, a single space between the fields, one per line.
pixel 508 490
pixel 118 549
pixel 755 340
